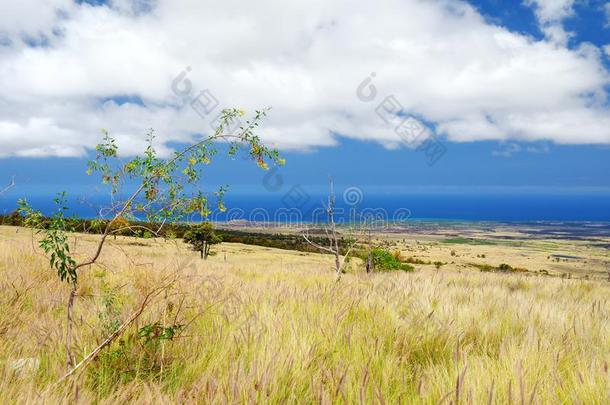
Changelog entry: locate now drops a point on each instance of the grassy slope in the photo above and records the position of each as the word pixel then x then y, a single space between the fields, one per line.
pixel 273 326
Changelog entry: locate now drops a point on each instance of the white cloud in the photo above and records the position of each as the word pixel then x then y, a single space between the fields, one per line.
pixel 552 10
pixel 507 150
pixel 550 15
pixel 32 19
pixel 440 59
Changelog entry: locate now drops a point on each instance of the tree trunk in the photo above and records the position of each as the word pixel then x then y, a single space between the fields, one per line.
pixel 201 252
pixel 369 257
pixel 338 265
pixel 69 358
pixel 206 250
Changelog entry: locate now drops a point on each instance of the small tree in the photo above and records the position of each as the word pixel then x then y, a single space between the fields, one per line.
pixel 383 260
pixel 201 238
pixel 369 252
pixel 161 194
pixel 336 244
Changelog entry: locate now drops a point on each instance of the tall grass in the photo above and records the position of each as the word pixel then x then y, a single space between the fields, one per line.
pixel 274 327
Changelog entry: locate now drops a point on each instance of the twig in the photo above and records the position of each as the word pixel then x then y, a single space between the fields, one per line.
pixel 115 334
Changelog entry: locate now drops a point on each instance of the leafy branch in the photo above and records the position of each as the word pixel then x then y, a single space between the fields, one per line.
pixel 160 195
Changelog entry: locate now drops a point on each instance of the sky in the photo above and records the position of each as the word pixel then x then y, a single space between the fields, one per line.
pixel 388 95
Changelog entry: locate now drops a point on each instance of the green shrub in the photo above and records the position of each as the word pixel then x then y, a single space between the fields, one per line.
pixel 484 267
pixel 505 267
pixel 413 260
pixel 386 261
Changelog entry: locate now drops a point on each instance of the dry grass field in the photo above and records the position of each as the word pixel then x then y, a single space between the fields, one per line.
pixel 258 325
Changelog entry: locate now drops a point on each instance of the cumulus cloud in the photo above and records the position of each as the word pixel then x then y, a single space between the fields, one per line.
pixel 113 67
pixel 550 14
pixel 552 10
pixel 32 20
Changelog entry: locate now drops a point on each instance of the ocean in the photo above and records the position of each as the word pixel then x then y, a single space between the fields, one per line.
pixel 449 206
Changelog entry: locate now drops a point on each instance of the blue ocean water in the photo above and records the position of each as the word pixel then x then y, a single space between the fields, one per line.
pixel 305 207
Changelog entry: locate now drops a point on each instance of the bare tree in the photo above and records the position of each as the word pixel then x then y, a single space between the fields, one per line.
pixel 335 241
pixel 369 247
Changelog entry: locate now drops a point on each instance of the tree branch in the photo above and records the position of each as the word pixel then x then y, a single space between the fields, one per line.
pixel 116 333
pixel 314 244
pixel 145 182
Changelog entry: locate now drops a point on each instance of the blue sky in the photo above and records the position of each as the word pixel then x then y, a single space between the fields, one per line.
pixel 471 167
pixel 588 23
pixel 540 127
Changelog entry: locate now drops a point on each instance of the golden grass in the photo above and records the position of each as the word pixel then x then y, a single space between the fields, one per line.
pixel 273 327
